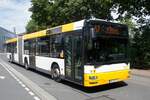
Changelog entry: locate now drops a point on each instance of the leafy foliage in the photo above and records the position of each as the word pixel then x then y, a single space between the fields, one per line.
pixel 128 8
pixel 48 14
pixel 141 47
pixel 32 26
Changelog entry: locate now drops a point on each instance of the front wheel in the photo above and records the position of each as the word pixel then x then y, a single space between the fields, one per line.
pixel 56 74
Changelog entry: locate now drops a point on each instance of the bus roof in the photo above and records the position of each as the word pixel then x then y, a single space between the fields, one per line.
pixel 58 29
pixel 34 35
pixel 62 28
pixel 67 27
pixel 11 40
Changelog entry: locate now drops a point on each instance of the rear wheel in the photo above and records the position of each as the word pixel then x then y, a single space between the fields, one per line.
pixel 56 73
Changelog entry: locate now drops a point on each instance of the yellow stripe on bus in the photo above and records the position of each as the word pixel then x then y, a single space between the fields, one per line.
pixel 67 27
pixel 35 35
pixel 11 40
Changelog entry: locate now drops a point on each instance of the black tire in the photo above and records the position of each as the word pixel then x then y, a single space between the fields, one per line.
pixel 26 65
pixel 56 73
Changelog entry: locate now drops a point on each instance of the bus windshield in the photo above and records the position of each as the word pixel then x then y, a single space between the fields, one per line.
pixel 106 50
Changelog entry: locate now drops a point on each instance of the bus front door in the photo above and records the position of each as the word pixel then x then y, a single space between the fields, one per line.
pixel 32 53
pixel 73 54
pixel 68 57
pixel 77 58
pixel 19 46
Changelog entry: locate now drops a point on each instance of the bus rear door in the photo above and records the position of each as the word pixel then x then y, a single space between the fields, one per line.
pixel 32 53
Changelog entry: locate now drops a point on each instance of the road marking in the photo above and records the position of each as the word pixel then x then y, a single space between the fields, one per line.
pixel 23 85
pixel 2 77
pixel 31 93
pixel 20 82
pixel 16 78
pixel 39 91
pixel 36 98
pixel 27 89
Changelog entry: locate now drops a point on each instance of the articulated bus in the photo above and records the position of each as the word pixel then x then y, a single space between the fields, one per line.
pixel 89 52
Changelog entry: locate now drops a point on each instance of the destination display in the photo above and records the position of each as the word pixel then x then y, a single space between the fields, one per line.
pixel 115 30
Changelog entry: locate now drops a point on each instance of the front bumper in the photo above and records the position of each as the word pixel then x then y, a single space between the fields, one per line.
pixel 106 78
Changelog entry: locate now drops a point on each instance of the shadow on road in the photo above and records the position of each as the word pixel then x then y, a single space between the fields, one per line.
pixel 96 88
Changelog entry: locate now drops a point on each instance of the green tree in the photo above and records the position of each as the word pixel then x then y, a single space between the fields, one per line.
pixel 31 26
pixel 128 8
pixel 56 12
pixel 141 47
pixel 49 14
pixel 40 15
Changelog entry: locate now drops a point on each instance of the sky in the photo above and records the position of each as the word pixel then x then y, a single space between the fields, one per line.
pixel 14 13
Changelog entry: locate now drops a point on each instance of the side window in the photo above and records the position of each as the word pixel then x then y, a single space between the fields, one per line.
pixel 12 47
pixel 43 46
pixel 26 47
pixel 9 48
pixel 15 47
pixel 55 45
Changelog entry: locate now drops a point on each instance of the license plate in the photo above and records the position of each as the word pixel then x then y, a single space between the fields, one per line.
pixel 114 80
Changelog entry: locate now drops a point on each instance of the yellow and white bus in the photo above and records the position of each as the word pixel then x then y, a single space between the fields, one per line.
pixel 88 52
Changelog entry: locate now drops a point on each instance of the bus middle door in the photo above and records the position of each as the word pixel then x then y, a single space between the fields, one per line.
pixel 32 53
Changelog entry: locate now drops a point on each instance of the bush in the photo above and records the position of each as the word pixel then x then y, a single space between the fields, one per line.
pixel 140 48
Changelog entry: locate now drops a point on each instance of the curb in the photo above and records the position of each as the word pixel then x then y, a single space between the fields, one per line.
pixel 33 86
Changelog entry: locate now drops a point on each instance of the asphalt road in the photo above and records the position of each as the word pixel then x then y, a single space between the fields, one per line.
pixel 136 88
pixel 11 88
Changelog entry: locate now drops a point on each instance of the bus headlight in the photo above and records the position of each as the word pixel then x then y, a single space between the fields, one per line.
pixel 93 77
